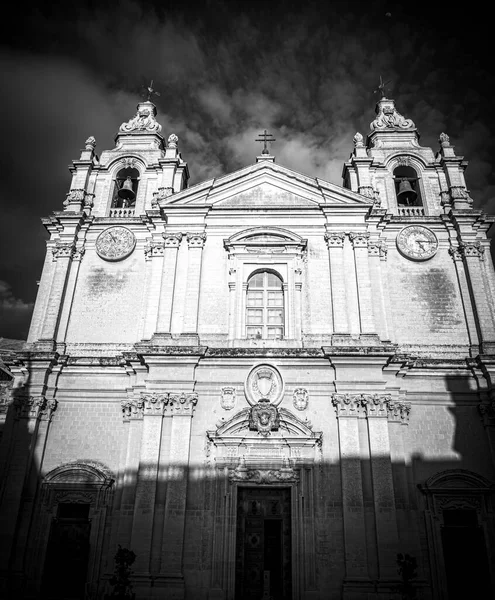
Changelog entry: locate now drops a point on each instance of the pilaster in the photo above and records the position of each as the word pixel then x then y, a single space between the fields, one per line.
pixel 153 408
pixel 349 407
pixel 172 243
pixel 377 409
pixel 335 244
pixel 181 407
pixel 359 242
pixel 195 243
pixel 154 252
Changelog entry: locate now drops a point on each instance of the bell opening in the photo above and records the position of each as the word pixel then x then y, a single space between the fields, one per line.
pixel 407 187
pixel 125 189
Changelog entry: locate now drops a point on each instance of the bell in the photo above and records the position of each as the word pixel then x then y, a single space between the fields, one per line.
pixel 406 193
pixel 126 192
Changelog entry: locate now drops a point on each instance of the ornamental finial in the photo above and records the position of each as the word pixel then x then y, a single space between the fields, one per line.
pixel 172 141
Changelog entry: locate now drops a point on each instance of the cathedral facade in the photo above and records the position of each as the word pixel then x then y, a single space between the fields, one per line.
pixel 264 385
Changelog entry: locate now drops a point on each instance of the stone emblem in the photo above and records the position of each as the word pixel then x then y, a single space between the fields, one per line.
pixel 227 400
pixel 263 418
pixel 417 242
pixel 264 382
pixel 300 398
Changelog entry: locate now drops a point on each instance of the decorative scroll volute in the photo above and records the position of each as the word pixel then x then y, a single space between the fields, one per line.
pixel 144 120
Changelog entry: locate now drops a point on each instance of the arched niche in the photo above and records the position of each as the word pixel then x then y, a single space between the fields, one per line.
pixel 459 515
pixel 76 496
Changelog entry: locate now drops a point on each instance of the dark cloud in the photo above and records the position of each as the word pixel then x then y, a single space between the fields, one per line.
pixel 226 71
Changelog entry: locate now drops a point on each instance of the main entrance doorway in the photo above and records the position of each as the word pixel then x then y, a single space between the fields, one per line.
pixel 263 544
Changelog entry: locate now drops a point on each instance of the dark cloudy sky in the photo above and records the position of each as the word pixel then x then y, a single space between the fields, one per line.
pixel 306 71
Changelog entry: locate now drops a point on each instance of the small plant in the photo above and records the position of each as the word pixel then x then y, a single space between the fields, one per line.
pixel 407 569
pixel 122 587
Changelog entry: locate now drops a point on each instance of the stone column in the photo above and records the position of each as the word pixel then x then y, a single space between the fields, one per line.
pixel 348 408
pixel 360 244
pixel 376 406
pixel 62 254
pixel 172 243
pixel 335 243
pixel 195 243
pixel 181 407
pixel 144 507
pixel 473 254
pixel 154 251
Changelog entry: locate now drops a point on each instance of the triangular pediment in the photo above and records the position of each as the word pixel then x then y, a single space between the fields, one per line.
pixel 262 185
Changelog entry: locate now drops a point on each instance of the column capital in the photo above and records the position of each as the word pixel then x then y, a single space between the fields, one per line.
pixel 378 248
pixel 398 412
pixel 475 249
pixel 172 240
pixel 183 404
pixel 63 250
pixel 347 405
pixel 376 405
pixel 132 410
pixel 359 239
pixel 154 404
pixel 34 407
pixel 335 239
pixel 78 253
pixel 153 248
pixel 456 253
pixel 196 240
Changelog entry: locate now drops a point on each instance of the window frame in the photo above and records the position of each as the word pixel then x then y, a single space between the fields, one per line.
pixel 265 308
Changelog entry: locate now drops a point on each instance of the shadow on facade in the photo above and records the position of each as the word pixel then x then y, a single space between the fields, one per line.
pixel 236 526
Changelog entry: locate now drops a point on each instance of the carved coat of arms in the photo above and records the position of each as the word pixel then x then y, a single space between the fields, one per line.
pixel 264 418
pixel 264 383
pixel 228 398
pixel 300 398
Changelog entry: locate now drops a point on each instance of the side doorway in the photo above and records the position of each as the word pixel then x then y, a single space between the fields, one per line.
pixel 66 562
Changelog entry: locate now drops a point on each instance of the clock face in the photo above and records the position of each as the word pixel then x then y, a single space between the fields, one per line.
pixel 115 243
pixel 417 242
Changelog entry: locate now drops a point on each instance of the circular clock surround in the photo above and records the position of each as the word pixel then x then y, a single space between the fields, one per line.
pixel 417 242
pixel 115 243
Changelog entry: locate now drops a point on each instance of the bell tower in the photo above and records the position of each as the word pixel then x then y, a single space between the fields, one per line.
pixel 399 175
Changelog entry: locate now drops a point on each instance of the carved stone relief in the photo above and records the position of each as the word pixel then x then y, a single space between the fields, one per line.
pixel 300 398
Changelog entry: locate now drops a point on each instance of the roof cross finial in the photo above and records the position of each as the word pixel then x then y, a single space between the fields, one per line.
pixel 265 137
pixel 151 91
pixel 381 88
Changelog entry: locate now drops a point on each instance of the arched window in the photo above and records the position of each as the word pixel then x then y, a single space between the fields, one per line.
pixel 407 187
pixel 126 183
pixel 265 306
